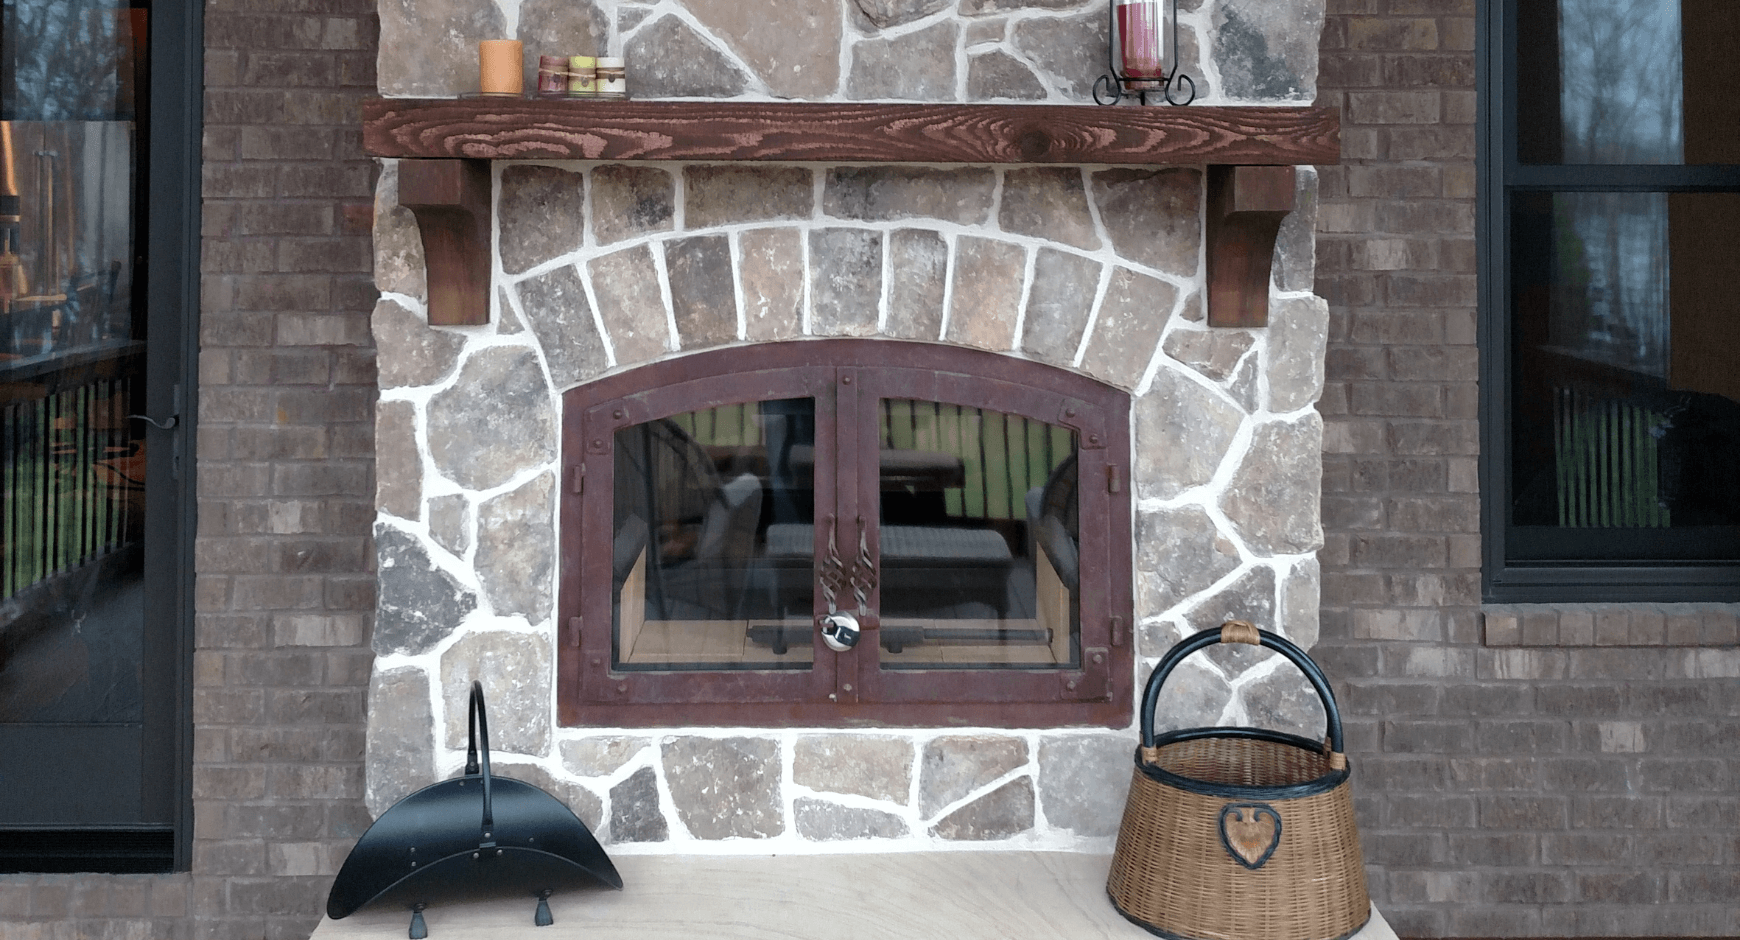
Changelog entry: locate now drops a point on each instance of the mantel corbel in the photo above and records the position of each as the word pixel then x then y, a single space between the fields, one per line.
pixel 451 200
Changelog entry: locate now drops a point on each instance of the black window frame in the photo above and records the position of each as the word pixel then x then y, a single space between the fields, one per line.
pixel 1500 175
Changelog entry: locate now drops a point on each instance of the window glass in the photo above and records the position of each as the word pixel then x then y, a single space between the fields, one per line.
pixel 1625 408
pixel 707 568
pixel 979 539
pixel 76 661
pixel 1627 81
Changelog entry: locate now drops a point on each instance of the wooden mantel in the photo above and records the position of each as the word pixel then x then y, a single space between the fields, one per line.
pixel 448 143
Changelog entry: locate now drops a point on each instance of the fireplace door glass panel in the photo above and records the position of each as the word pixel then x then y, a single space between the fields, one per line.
pixel 1625 415
pixel 705 575
pixel 979 541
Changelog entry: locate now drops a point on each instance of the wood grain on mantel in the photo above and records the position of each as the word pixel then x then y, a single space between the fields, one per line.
pixel 529 129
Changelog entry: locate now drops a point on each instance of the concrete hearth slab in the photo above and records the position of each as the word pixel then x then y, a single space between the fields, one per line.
pixel 958 895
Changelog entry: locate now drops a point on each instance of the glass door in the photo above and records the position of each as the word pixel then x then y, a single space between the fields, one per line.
pixel 89 448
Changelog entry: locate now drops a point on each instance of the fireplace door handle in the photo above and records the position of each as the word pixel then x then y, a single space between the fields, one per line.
pixel 840 631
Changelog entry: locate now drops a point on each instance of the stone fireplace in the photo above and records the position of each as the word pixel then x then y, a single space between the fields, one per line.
pixel 599 267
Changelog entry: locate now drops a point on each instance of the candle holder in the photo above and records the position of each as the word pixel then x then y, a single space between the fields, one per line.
pixel 1136 55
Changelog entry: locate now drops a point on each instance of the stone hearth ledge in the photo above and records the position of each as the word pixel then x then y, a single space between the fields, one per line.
pixel 959 895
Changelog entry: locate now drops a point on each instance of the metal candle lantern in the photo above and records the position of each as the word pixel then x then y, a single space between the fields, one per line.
pixel 1139 33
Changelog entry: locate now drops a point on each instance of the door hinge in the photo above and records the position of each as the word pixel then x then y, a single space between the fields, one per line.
pixel 577 480
pixel 1114 479
pixel 571 636
pixel 1117 631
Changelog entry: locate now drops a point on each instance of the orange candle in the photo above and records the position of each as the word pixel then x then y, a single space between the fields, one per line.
pixel 501 71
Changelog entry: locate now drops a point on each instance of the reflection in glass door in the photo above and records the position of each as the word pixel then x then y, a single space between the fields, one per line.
pixel 81 676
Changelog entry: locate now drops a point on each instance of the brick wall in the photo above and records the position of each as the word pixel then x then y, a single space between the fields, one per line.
pixel 1516 790
pixel 286 456
pixel 286 478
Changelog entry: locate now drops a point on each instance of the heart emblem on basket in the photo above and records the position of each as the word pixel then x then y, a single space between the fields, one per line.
pixel 1250 832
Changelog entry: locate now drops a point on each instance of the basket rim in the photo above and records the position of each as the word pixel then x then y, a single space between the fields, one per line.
pixel 1290 791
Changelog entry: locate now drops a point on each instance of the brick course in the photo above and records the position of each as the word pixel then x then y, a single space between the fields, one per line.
pixel 1574 775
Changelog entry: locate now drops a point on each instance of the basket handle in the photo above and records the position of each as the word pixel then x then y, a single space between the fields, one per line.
pixel 1241 631
pixel 477 725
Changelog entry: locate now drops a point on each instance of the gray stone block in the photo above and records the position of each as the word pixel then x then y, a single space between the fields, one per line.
pixel 1251 597
pixel 725 788
pixel 579 800
pixel 1301 603
pixel 1214 353
pixel 793 46
pixel 822 821
pixel 1152 216
pixel 1183 431
pixel 429 47
pixel 1296 244
pixel 1298 338
pixel 631 201
pixel 515 669
pixel 561 318
pixel 845 281
pixel 919 66
pixel 1069 50
pixel 495 422
pixel 1273 498
pixel 401 738
pixel 636 812
pixel 507 322
pixel 667 59
pixel 997 75
pixel 919 262
pixel 1048 202
pixel 986 299
pixel 731 193
pixel 893 193
pixel 1267 49
pixel 601 756
pixel 1195 695
pixel 417 604
pixel 1058 304
pixel 956 765
pixel 703 294
pixel 772 275
pixel 1083 781
pixel 1001 814
pixel 1128 327
pixel 886 13
pixel 540 212
pixel 1179 553
pixel 875 766
pixel 631 305
pixel 988 7
pixel 1284 701
pixel 407 351
pixel 448 523
pixel 399 266
pixel 580 27
pixel 516 549
pixel 398 466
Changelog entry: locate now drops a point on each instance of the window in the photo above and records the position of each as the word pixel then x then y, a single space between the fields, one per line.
pixel 966 510
pixel 1610 202
pixel 99 104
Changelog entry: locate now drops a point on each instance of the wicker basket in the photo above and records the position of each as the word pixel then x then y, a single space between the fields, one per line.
pixel 1240 833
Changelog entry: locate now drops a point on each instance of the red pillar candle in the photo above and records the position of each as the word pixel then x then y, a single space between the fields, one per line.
pixel 1142 37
